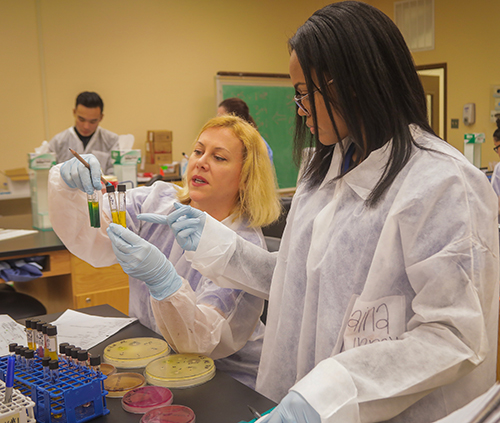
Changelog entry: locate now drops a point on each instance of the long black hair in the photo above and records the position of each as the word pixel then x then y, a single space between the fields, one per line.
pixel 366 74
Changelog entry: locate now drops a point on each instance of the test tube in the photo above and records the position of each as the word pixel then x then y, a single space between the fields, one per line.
pixel 45 340
pixel 82 357
pixel 67 351
pixel 52 342
pixel 110 189
pixel 45 367
pixel 30 360
pixel 74 356
pixel 94 213
pixel 12 349
pixel 39 339
pixel 22 352
pixel 54 371
pixel 29 334
pixel 122 205
pixel 62 352
pixel 17 351
pixel 95 364
pixel 34 332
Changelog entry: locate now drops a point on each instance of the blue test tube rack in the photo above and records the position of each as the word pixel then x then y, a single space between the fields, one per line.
pixel 77 397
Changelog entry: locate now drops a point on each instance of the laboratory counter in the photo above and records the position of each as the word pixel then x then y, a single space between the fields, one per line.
pixel 222 399
pixel 67 281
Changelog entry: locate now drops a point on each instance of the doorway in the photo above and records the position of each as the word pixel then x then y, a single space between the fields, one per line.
pixel 433 79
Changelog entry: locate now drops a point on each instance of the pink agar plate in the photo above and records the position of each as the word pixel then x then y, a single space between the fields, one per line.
pixel 169 414
pixel 145 398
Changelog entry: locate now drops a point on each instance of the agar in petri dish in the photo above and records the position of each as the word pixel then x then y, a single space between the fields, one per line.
pixel 107 369
pixel 169 414
pixel 119 384
pixel 180 370
pixel 135 352
pixel 145 398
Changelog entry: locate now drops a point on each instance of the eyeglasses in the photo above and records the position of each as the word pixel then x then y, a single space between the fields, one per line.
pixel 496 148
pixel 300 98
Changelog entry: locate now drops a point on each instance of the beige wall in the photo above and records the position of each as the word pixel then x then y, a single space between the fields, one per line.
pixel 467 40
pixel 153 61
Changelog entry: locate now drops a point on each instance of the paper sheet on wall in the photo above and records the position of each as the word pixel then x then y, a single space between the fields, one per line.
pixel 85 330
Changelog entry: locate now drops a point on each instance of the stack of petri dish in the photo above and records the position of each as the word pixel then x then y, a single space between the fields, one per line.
pixel 180 371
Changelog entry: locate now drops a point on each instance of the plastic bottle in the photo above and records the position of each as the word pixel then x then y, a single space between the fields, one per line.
pixel 184 163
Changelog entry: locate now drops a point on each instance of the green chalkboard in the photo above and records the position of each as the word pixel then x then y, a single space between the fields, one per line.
pixel 271 104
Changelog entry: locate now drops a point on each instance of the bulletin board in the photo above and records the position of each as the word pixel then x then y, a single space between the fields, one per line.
pixel 270 100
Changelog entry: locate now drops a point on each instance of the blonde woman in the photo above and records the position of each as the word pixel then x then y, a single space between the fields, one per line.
pixel 230 177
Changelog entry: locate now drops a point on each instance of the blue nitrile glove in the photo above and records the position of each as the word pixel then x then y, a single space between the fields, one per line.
pixel 142 260
pixel 186 222
pixel 292 409
pixel 76 175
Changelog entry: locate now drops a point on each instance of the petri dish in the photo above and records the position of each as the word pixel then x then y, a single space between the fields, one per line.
pixel 169 414
pixel 180 371
pixel 135 352
pixel 107 369
pixel 119 384
pixel 141 400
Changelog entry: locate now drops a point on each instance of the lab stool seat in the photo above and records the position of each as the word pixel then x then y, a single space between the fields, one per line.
pixel 20 306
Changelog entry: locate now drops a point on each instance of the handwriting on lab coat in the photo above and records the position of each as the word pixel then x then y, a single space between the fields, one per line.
pixel 375 321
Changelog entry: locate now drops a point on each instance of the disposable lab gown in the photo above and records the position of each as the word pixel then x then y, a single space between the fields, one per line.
pixel 201 317
pixel 100 145
pixel 377 314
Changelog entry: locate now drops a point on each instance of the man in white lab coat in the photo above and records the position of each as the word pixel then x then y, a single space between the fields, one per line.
pixel 86 136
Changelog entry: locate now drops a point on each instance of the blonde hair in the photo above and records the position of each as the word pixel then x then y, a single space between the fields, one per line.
pixel 258 199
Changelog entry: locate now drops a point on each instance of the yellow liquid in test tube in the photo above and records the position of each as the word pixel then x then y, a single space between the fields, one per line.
pixel 122 217
pixel 115 217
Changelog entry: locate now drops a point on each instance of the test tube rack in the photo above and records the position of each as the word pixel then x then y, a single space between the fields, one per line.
pixel 20 409
pixel 77 397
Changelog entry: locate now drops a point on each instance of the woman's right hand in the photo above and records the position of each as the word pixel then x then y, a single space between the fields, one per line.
pixel 76 175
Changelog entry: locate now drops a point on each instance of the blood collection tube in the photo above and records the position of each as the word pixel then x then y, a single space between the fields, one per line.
pixel 51 347
pixel 122 205
pixel 30 360
pixel 54 371
pixel 45 367
pixel 82 357
pixel 95 365
pixel 29 334
pixel 12 349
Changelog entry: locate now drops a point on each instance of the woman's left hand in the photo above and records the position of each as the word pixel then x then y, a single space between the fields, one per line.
pixel 144 261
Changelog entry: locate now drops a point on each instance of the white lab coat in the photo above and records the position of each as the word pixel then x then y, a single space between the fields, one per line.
pixel 376 314
pixel 201 317
pixel 100 145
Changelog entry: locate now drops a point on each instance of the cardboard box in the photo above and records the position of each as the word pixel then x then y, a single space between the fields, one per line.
pixel 160 135
pixel 170 171
pixel 18 181
pixel 163 158
pixel 149 153
pixel 162 146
